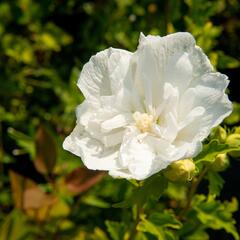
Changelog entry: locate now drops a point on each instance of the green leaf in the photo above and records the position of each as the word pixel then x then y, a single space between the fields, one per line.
pixel 216 215
pixel 95 201
pixel 147 226
pixel 15 227
pixel 192 229
pixel 215 183
pixel 116 230
pixel 141 236
pixel 177 191
pixel 153 187
pixel 22 140
pixel 225 61
pixel 166 219
pixel 198 235
pixel 98 234
pixel 160 225
pixel 213 148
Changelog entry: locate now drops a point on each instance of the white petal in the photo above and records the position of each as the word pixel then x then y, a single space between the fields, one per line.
pixel 84 112
pixel 103 74
pixel 216 106
pixel 195 113
pixel 160 60
pixel 186 149
pixel 114 129
pixel 214 80
pixel 93 153
pixel 136 155
pixel 174 59
pixel 121 173
pixel 117 121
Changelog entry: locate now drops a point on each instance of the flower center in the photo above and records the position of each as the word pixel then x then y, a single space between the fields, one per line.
pixel 143 121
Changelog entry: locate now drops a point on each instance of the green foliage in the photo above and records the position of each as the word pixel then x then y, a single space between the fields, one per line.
pixel 215 215
pixel 160 225
pixel 45 193
pixel 213 148
pixel 215 183
pixel 116 230
pixel 14 227
pixel 153 188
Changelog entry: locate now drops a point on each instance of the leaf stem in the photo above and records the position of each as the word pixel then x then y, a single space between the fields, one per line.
pixel 193 189
pixel 134 228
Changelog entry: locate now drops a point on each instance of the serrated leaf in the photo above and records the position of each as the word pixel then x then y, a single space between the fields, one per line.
pixel 160 225
pixel 232 206
pixel 147 226
pixel 215 183
pixel 153 187
pixel 165 219
pixel 46 152
pixel 116 230
pixel 216 215
pixel 212 149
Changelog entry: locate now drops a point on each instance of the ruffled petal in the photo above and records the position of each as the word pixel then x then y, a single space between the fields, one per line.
pixel 136 155
pixel 92 152
pixel 159 60
pixel 103 74
pixel 214 105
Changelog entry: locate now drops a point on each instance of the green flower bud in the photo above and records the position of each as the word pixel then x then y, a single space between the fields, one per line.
pixel 237 130
pixel 221 163
pixel 181 170
pixel 234 140
pixel 220 134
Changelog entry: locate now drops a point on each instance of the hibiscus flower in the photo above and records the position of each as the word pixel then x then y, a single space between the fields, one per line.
pixel 144 110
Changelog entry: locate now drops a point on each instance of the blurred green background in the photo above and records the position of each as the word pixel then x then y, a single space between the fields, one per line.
pixel 44 191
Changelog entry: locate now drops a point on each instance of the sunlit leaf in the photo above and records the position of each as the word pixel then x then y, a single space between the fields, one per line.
pixel 116 230
pixel 23 141
pixel 213 214
pixel 153 187
pixel 215 183
pixel 95 201
pixel 15 227
pixel 213 148
pixel 160 225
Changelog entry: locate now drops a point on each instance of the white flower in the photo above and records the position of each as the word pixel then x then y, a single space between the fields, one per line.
pixel 147 109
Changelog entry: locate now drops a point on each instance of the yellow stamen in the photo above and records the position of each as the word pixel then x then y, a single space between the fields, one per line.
pixel 143 121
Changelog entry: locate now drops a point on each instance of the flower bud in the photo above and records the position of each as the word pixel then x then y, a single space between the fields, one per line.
pixel 181 170
pixel 234 140
pixel 237 130
pixel 220 134
pixel 221 163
